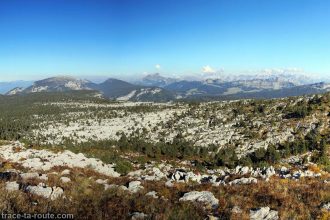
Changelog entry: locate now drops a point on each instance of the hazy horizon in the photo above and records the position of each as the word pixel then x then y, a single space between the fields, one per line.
pixel 190 77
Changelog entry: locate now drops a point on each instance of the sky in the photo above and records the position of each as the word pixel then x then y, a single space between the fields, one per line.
pixel 130 38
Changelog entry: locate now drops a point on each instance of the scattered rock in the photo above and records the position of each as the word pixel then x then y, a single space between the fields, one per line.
pixel 136 173
pixel 27 176
pixel 179 175
pixel 242 170
pixel 205 197
pixel 236 210
pixel 138 216
pixel 100 181
pixel 65 172
pixel 57 192
pixel 284 170
pixel 134 186
pixel 12 186
pixel 153 194
pixel 326 206
pixel 263 213
pixel 243 181
pixel 211 217
pixel 40 190
pixel 65 179
pixel 46 160
pixel 169 183
pixel 45 191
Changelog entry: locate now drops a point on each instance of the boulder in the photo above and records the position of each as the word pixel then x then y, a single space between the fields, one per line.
pixel 12 186
pixel 65 179
pixel 45 160
pixel 65 172
pixel 204 197
pixel 136 173
pixel 40 190
pixel 100 181
pixel 152 194
pixel 326 206
pixel 263 213
pixel 243 181
pixel 211 217
pixel 45 191
pixel 244 170
pixel 179 175
pixel 284 170
pixel 27 176
pixel 57 192
pixel 138 216
pixel 236 210
pixel 134 186
pixel 169 183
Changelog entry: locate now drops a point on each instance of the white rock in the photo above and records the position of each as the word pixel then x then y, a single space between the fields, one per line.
pixel 134 186
pixel 169 183
pixel 152 194
pixel 190 176
pixel 236 210
pixel 27 176
pixel 326 206
pixel 46 160
pixel 138 216
pixel 57 192
pixel 100 181
pixel 179 176
pixel 12 186
pixel 45 191
pixel 243 181
pixel 205 197
pixel 263 213
pixel 136 173
pixel 40 190
pixel 284 170
pixel 244 170
pixel 65 179
pixel 65 172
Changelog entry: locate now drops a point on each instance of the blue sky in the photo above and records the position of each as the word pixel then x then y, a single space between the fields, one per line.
pixel 127 38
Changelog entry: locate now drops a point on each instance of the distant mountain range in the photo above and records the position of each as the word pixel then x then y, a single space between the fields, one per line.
pixel 156 88
pixel 112 88
pixel 6 86
pixel 156 80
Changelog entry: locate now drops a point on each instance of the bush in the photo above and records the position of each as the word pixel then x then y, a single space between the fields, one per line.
pixel 123 167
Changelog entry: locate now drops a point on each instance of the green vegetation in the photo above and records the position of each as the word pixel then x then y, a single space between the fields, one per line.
pixel 19 115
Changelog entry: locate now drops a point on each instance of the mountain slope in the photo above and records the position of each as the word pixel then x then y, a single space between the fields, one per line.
pixel 156 80
pixel 15 91
pixel 217 87
pixel 124 91
pixel 59 84
pixel 318 88
pixel 7 86
pixel 210 89
pixel 113 88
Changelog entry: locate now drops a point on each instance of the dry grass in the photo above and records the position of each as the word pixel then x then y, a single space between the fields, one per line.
pixel 87 200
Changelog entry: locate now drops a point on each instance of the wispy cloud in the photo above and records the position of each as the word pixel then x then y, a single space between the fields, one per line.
pixel 208 69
